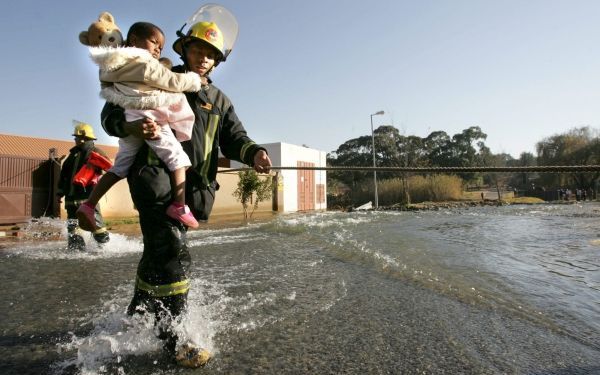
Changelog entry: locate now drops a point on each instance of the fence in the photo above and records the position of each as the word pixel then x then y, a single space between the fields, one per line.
pixel 27 188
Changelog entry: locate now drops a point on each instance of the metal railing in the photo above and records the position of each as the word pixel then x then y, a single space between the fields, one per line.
pixel 525 169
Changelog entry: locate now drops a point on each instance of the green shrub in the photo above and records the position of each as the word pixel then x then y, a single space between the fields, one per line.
pixel 251 190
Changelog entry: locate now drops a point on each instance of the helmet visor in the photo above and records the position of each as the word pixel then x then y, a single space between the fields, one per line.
pixel 223 18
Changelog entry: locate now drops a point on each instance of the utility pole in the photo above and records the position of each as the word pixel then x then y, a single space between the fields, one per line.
pixel 374 163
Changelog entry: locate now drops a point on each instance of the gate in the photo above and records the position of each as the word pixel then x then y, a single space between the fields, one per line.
pixel 306 187
pixel 28 188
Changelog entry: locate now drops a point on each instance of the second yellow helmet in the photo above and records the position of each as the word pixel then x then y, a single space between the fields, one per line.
pixel 83 130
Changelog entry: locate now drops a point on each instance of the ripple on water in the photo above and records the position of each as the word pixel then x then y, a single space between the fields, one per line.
pixel 521 282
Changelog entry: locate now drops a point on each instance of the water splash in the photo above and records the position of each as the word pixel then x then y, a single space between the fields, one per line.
pixel 119 245
pixel 114 336
pixel 326 219
pixel 117 337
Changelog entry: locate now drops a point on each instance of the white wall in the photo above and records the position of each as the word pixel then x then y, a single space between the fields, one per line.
pixel 287 155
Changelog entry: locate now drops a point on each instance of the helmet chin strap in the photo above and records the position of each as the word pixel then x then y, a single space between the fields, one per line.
pixel 180 35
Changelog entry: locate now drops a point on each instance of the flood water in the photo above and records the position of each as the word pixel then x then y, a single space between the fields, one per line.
pixel 507 290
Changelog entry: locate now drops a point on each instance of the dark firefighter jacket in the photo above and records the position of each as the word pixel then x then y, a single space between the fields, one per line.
pixel 78 156
pixel 162 269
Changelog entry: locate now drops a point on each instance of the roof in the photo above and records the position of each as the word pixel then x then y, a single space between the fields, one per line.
pixel 38 148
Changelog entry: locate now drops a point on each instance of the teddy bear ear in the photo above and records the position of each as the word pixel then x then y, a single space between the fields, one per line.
pixel 83 38
pixel 106 17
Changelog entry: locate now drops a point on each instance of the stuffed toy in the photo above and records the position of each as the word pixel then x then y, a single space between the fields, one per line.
pixel 103 32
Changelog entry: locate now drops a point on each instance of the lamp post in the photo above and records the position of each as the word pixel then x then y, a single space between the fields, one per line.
pixel 374 165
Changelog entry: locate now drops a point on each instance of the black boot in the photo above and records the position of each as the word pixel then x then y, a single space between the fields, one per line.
pixel 102 237
pixel 75 242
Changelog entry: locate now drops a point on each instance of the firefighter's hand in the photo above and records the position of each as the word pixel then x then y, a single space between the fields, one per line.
pixel 144 128
pixel 262 162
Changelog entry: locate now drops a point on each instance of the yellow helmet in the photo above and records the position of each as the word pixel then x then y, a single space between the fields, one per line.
pixel 203 26
pixel 208 32
pixel 83 130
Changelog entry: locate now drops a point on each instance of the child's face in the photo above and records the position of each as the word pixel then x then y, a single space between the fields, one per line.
pixel 200 58
pixel 153 44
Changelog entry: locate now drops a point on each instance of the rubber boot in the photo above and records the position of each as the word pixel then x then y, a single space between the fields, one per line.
pixel 192 356
pixel 75 242
pixel 101 236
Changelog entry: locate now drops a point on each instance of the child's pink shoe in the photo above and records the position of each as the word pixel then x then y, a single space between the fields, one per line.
pixel 182 214
pixel 87 217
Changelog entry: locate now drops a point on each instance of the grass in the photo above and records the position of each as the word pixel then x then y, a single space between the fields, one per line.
pixel 420 188
pixel 471 195
pixel 524 200
pixel 476 196
pixel 121 220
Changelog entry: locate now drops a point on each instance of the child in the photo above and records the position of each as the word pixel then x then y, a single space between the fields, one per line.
pixel 133 78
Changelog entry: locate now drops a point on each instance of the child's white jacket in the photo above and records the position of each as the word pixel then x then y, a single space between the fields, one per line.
pixel 131 78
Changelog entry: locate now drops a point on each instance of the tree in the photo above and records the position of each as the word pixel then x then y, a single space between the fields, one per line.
pixel 457 151
pixel 251 190
pixel 354 152
pixel 522 180
pixel 391 150
pixel 497 180
pixel 464 152
pixel 438 146
pixel 395 150
pixel 578 146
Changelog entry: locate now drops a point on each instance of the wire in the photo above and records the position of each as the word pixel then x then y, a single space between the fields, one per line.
pixel 525 169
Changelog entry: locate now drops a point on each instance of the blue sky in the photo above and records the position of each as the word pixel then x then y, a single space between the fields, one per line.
pixel 311 72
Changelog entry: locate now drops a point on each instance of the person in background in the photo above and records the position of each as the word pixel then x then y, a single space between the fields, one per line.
pixel 162 281
pixel 76 189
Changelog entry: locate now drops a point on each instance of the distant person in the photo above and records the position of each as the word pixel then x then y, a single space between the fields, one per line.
pixel 134 78
pixel 76 189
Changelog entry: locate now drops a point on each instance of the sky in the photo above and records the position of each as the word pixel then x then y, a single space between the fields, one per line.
pixel 312 72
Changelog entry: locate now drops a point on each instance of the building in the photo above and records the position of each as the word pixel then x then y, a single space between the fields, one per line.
pixel 297 189
pixel 29 170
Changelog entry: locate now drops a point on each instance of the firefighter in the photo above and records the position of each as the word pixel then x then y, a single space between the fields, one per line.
pixel 76 189
pixel 162 282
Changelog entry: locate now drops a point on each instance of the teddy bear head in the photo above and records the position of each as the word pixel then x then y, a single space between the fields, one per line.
pixel 103 32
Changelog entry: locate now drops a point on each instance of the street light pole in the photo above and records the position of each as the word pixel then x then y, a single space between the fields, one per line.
pixel 374 165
